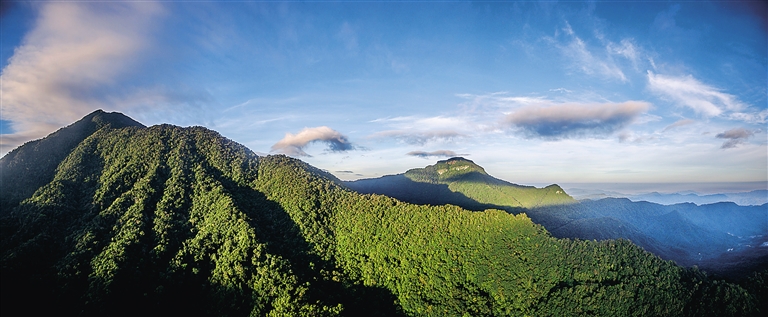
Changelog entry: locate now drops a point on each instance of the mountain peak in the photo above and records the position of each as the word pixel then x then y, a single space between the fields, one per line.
pixel 456 166
pixel 114 119
pixel 34 163
pixel 451 169
pixel 455 159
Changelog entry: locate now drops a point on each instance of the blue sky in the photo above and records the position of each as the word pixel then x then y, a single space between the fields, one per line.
pixel 535 92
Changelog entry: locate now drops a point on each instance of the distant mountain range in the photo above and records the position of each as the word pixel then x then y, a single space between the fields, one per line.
pixel 707 236
pixel 690 235
pixel 109 217
pixel 751 198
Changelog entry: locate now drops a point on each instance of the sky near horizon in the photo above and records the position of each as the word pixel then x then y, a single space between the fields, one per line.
pixel 534 91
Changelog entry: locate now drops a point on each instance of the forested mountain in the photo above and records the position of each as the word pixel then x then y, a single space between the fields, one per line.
pixel 32 165
pixel 723 238
pixel 461 182
pixel 181 221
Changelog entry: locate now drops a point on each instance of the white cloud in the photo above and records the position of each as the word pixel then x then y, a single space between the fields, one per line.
pixel 679 123
pixel 294 144
pixel 568 30
pixel 420 131
pixel 598 60
pixel 561 90
pixel 395 119
pixel 420 137
pixel 498 101
pixel 74 50
pixel 688 92
pixel 627 49
pixel 759 117
pixel 585 61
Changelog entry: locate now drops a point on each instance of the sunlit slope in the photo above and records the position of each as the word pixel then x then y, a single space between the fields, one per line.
pixel 181 221
pixel 446 261
pixel 461 182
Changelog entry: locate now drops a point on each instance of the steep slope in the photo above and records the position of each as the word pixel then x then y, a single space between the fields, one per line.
pixel 181 221
pixel 461 182
pixel 141 216
pixel 32 165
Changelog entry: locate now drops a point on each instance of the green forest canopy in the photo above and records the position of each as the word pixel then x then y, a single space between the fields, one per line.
pixel 177 221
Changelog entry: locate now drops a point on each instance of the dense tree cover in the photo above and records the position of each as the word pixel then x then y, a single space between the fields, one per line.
pixel 444 260
pixel 461 182
pixel 28 167
pixel 143 221
pixel 181 221
pixel 722 238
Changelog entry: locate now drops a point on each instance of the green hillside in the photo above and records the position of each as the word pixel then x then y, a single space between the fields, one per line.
pixel 31 166
pixel 181 221
pixel 461 182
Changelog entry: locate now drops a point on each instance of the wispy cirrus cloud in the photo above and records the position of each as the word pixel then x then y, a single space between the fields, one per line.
pixel 420 131
pixel 679 123
pixel 496 101
pixel 294 144
pixel 627 49
pixel 438 153
pixel 395 119
pixel 595 62
pixel 555 121
pixel 73 55
pixel 688 92
pixel 734 137
pixel 586 62
pixel 348 36
pixel 419 137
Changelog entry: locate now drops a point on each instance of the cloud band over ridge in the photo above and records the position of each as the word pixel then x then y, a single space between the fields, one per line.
pixel 574 119
pixel 438 153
